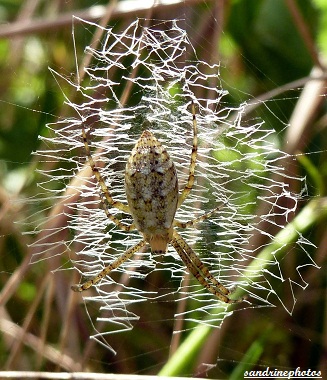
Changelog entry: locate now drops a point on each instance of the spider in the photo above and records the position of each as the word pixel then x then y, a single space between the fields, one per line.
pixel 151 186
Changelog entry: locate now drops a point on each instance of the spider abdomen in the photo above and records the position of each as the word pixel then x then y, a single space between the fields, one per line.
pixel 152 190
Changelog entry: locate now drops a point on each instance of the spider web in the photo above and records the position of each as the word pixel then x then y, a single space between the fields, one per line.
pixel 240 167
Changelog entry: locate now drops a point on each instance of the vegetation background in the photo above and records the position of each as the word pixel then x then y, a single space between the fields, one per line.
pixel 267 49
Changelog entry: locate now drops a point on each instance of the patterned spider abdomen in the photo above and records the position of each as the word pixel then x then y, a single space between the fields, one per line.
pixel 152 191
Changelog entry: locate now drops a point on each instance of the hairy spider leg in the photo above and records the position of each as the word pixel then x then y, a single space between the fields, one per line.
pixel 107 198
pixel 115 264
pixel 190 181
pixel 199 270
pixel 193 222
pixel 121 225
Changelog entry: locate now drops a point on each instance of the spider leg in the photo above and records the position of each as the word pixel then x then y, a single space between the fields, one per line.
pixel 115 264
pixel 99 178
pixel 190 181
pixel 199 270
pixel 122 226
pixel 193 222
